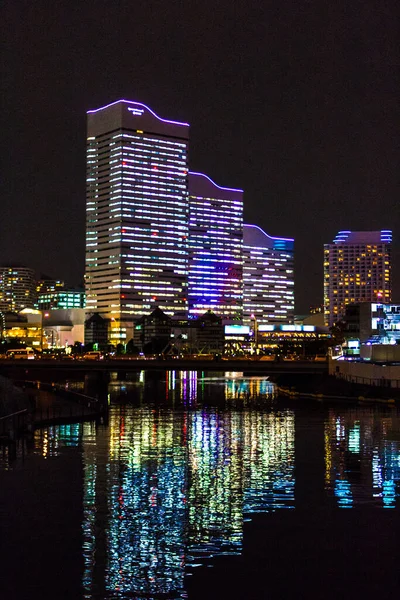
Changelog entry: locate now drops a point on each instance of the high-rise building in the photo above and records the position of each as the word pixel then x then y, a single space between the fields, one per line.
pixel 357 268
pixel 137 214
pixel 17 288
pixel 268 277
pixel 215 249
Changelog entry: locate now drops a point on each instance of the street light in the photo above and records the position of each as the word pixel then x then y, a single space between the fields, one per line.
pixel 45 315
pixel 253 316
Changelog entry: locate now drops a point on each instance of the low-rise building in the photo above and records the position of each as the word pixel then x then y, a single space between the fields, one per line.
pixel 374 321
pixel 206 334
pixel 153 330
pixel 63 327
pixel 96 330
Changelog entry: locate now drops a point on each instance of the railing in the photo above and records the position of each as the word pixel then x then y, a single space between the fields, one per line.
pixel 377 381
pixel 59 389
pixel 13 423
pixel 53 414
pixel 76 406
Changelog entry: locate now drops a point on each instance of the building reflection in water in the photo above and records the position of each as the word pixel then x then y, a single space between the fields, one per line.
pixel 165 490
pixel 49 441
pixel 174 472
pixel 362 457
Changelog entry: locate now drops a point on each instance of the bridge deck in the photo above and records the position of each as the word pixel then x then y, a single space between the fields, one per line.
pixel 128 365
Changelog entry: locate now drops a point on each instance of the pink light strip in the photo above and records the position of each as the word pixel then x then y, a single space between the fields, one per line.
pixel 269 236
pixel 213 182
pixel 90 112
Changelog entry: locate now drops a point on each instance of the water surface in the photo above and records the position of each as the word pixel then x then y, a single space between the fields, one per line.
pixel 205 487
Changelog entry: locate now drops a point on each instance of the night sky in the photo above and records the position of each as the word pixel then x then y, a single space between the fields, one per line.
pixel 296 102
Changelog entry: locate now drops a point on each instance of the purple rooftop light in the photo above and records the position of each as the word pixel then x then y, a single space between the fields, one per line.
pixel 269 236
pixel 215 184
pixel 90 112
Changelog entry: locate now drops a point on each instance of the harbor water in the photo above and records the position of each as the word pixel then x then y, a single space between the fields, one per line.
pixel 205 486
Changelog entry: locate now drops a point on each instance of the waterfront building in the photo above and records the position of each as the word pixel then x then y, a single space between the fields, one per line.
pixel 206 334
pixel 46 284
pixel 373 322
pixel 137 215
pixel 153 332
pixel 96 331
pixel 23 327
pixel 17 288
pixel 268 278
pixel 64 299
pixel 215 271
pixel 357 268
pixel 63 327
pixel 287 338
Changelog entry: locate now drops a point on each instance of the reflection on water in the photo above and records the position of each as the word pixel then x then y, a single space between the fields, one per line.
pixel 50 440
pixel 191 388
pixel 186 458
pixel 362 457
pixel 174 487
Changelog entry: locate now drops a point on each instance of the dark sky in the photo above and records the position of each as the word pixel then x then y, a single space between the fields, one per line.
pixel 296 102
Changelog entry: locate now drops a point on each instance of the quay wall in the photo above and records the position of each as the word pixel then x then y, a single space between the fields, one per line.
pixel 366 373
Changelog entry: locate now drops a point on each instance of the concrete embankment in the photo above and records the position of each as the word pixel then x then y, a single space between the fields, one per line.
pixel 33 404
pixel 12 399
pixel 332 388
pixel 14 411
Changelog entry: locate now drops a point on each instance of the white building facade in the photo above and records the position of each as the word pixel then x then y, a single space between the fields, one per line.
pixel 268 277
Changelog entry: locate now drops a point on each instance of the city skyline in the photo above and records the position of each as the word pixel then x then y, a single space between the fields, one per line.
pixel 159 235
pixel 98 146
pixel 285 107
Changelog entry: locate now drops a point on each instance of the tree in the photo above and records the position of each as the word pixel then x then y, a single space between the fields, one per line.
pixel 131 348
pixel 338 331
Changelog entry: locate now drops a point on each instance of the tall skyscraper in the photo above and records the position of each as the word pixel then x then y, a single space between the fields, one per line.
pixel 17 288
pixel 357 268
pixel 215 249
pixel 137 214
pixel 268 277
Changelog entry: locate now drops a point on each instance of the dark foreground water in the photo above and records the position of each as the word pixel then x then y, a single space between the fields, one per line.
pixel 202 488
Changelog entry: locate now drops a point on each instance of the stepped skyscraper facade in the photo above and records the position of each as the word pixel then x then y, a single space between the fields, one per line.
pixel 159 235
pixel 215 249
pixel 268 277
pixel 137 214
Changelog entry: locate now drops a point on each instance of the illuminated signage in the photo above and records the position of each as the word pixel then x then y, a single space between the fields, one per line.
pixel 354 344
pixel 136 112
pixel 237 330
